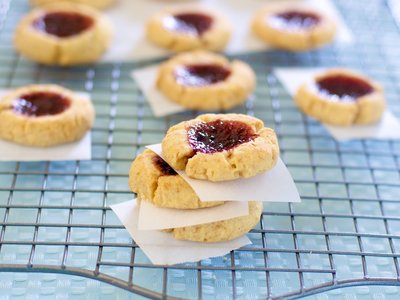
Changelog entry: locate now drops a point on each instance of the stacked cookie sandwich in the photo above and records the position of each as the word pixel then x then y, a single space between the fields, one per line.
pixel 213 147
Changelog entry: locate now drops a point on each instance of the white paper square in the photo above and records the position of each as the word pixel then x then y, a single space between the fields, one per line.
pixel 160 105
pixel 165 218
pixel 79 150
pixel 276 185
pixel 292 78
pixel 129 19
pixel 387 128
pixel 161 248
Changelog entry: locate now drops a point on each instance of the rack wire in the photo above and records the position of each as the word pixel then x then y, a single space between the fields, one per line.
pixel 55 216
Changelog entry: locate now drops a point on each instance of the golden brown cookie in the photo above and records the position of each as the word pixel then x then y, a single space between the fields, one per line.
pixel 44 115
pixel 221 230
pixel 63 34
pixel 220 147
pixel 186 29
pixel 205 81
pixel 95 3
pixel 341 97
pixel 155 181
pixel 294 27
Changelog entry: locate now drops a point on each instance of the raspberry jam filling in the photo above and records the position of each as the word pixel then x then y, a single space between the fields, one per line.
pixel 40 104
pixel 344 87
pixel 63 24
pixel 201 74
pixel 163 167
pixel 219 135
pixel 295 20
pixel 191 23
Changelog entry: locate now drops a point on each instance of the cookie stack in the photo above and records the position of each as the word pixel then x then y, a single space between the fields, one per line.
pixel 213 147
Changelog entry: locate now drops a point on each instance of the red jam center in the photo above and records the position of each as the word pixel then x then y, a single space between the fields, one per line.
pixel 63 24
pixel 219 135
pixel 201 75
pixel 40 104
pixel 192 23
pixel 295 20
pixel 163 167
pixel 344 87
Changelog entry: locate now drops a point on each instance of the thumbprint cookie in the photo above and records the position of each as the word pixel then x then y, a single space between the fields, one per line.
pixel 205 81
pixel 186 29
pixel 220 147
pixel 63 34
pixel 100 4
pixel 294 28
pixel 44 115
pixel 153 180
pixel 341 97
pixel 220 231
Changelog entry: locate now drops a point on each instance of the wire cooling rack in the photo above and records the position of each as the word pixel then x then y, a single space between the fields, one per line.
pixel 54 216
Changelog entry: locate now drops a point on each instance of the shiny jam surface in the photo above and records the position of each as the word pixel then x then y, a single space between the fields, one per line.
pixel 219 135
pixel 201 74
pixel 40 104
pixel 63 24
pixel 294 20
pixel 346 88
pixel 163 167
pixel 192 23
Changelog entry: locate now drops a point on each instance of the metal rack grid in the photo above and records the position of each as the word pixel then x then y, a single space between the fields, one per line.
pixel 54 216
